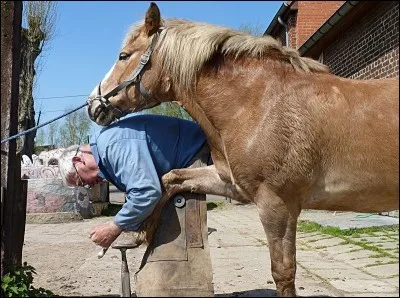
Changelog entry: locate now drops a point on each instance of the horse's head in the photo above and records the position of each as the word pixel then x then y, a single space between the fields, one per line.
pixel 134 82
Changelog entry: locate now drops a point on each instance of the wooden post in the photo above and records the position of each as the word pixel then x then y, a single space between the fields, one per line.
pixel 14 197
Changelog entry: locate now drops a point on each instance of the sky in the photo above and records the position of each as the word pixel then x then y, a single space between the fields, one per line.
pixel 89 36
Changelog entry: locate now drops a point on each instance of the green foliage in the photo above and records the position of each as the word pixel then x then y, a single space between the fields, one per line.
pixel 169 109
pixel 351 236
pixel 75 129
pixel 306 226
pixel 18 283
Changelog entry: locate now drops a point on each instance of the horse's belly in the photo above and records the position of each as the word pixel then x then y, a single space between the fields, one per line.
pixel 344 196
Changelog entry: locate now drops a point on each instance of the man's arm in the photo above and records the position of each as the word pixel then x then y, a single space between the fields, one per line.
pixel 130 163
pixel 137 172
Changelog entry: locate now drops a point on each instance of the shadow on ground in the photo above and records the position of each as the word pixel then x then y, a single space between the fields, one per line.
pixel 260 293
pixel 250 293
pixel 111 209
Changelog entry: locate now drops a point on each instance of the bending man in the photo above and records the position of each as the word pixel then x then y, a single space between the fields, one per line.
pixel 133 154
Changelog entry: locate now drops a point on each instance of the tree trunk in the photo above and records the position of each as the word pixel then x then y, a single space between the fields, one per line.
pixel 31 41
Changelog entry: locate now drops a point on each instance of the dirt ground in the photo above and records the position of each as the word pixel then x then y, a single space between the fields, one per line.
pixel 67 264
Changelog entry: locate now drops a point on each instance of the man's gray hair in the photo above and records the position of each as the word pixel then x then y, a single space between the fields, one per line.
pixel 65 164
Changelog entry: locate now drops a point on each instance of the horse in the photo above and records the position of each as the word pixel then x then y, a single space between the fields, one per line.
pixel 284 132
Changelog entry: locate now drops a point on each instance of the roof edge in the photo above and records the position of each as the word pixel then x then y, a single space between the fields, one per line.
pixel 284 7
pixel 327 26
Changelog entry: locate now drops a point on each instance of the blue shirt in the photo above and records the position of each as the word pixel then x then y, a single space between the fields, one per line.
pixel 134 153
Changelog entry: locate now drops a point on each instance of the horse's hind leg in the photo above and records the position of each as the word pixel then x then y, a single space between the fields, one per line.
pixel 279 219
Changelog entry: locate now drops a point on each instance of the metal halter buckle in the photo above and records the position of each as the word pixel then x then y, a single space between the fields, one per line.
pixel 144 59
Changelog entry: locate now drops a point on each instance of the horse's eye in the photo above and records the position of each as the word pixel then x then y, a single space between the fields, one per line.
pixel 123 56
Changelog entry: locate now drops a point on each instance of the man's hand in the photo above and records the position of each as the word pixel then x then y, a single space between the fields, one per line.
pixel 104 235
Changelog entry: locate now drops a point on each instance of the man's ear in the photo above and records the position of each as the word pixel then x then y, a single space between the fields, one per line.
pixel 76 159
pixel 152 19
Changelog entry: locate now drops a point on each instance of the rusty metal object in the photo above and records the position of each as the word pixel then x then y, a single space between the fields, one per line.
pixel 124 242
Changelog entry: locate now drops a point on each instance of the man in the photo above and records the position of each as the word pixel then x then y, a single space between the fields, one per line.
pixel 133 154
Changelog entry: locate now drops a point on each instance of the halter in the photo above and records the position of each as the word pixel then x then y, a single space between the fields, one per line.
pixel 135 78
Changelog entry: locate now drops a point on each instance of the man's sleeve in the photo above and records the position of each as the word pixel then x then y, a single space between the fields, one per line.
pixel 133 166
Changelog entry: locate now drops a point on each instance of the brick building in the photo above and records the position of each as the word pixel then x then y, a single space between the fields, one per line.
pixel 356 39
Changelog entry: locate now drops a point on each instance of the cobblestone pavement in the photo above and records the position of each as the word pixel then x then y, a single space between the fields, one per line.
pixel 66 261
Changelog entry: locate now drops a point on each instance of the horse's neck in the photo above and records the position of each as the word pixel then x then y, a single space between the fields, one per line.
pixel 197 113
pixel 213 136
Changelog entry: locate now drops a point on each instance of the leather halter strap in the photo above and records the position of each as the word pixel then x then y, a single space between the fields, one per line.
pixel 135 78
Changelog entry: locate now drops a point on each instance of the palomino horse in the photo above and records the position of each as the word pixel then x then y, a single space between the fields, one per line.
pixel 284 133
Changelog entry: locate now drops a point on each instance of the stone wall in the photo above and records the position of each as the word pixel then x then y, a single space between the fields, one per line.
pixel 47 193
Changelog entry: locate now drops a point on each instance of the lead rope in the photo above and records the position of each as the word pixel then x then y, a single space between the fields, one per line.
pixel 41 125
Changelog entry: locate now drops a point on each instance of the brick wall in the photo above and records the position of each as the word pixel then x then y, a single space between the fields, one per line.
pixel 311 15
pixel 292 23
pixel 370 48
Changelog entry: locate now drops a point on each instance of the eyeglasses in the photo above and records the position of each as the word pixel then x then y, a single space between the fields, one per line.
pixel 79 177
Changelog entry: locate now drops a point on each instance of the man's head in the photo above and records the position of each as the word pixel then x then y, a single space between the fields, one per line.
pixel 78 166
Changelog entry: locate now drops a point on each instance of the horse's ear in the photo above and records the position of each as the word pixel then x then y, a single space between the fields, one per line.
pixel 152 19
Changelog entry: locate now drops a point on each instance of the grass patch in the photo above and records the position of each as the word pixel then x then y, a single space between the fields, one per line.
pixel 381 263
pixel 348 234
pixel 344 242
pixel 214 205
pixel 355 249
pixel 376 256
pixel 310 227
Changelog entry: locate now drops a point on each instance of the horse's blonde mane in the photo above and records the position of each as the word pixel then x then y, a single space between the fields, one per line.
pixel 185 47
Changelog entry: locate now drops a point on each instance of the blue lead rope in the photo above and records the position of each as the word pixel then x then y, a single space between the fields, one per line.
pixel 41 125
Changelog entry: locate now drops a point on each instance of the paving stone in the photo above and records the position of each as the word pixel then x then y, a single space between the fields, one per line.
pixel 302 235
pixel 380 294
pixel 363 285
pixel 313 238
pixel 373 239
pixel 346 220
pixel 326 242
pixel 319 262
pixel 383 270
pixel 339 249
pixel 238 270
pixel 313 289
pixel 394 281
pixel 231 238
pixel 360 263
pixel 380 233
pixel 390 245
pixel 346 273
pixel 349 256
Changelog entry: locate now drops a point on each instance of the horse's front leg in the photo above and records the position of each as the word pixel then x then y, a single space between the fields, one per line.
pixel 204 180
pixel 279 219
